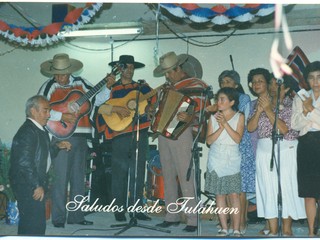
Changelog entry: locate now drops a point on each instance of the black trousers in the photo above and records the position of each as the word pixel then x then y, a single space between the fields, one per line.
pixel 32 213
pixel 123 168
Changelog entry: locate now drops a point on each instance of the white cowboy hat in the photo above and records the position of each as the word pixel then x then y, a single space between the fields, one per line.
pixel 167 62
pixel 61 64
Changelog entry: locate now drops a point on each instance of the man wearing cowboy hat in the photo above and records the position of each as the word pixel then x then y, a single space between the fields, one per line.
pixel 175 155
pixel 124 142
pixel 68 167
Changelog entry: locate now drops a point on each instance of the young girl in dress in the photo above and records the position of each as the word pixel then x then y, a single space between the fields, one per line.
pixel 225 130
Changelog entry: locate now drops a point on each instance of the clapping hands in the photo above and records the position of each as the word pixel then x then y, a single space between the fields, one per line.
pixel 219 116
pixel 307 105
pixel 263 104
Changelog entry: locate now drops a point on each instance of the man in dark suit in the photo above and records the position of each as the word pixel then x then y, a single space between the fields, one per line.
pixel 29 165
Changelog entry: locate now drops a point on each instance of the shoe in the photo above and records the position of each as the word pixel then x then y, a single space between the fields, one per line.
pixel 166 224
pixel 264 232
pixel 272 235
pixel 237 233
pixel 142 216
pixel 222 233
pixel 190 228
pixel 84 222
pixel 58 225
pixel 120 217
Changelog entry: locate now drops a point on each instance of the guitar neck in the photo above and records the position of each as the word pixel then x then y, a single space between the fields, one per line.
pixel 91 93
pixel 150 94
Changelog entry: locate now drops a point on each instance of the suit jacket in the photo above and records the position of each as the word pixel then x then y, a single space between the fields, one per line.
pixel 29 155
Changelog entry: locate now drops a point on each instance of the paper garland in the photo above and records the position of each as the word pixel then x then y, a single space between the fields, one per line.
pixel 48 35
pixel 219 14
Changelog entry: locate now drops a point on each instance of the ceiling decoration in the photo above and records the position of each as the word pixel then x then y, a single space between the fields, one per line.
pixel 219 14
pixel 48 35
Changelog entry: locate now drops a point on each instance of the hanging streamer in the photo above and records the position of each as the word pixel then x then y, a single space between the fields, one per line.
pixel 156 48
pixel 277 61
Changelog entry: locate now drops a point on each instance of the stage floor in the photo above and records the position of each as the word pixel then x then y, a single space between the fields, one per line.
pixel 103 221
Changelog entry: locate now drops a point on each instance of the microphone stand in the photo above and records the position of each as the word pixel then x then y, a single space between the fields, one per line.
pixel 136 122
pixel 195 157
pixel 276 137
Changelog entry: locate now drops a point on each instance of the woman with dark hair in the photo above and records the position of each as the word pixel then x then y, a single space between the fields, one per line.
pixel 231 78
pixel 306 119
pixel 262 119
pixel 225 130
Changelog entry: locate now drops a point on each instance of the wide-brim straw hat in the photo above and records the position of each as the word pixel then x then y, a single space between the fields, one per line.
pixel 61 64
pixel 168 62
pixel 127 59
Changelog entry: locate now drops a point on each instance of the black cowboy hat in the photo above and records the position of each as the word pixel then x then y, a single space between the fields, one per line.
pixel 127 59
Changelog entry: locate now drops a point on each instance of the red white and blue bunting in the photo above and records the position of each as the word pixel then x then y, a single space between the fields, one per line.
pixel 48 35
pixel 219 14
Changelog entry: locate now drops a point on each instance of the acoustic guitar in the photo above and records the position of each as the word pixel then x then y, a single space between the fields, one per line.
pixel 114 121
pixel 75 102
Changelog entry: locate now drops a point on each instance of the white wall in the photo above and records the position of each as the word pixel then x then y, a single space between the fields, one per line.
pixel 21 77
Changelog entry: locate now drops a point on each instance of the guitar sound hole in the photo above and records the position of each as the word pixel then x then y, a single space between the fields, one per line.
pixel 132 104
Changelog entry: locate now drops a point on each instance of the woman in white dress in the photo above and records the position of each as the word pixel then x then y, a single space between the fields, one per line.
pixel 225 130
pixel 262 120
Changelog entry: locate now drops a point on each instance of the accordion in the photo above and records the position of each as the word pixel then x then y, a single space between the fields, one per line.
pixel 165 121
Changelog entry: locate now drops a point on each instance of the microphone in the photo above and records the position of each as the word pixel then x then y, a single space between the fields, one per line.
pixel 141 81
pixel 209 92
pixel 209 88
pixel 280 81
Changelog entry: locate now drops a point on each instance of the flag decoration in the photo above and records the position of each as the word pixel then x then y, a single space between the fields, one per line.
pixel 219 14
pixel 297 61
pixel 48 35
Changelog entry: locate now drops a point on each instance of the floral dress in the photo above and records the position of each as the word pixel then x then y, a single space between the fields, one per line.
pixel 248 161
